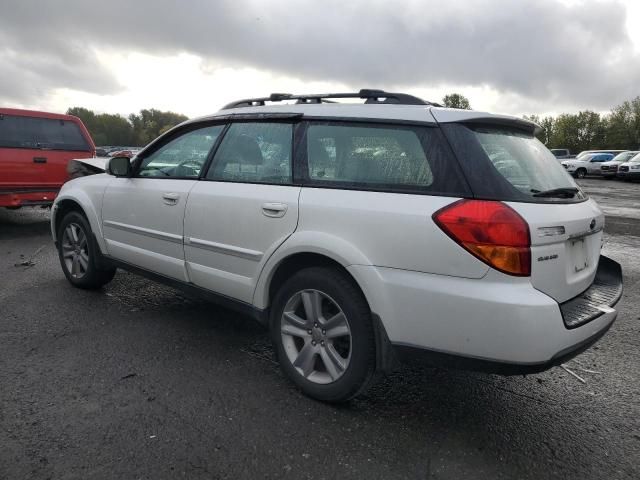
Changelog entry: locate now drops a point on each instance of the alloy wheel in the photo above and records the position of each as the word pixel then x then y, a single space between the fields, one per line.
pixel 75 250
pixel 316 336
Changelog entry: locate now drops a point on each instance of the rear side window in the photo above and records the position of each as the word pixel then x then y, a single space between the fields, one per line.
pixel 381 157
pixel 45 133
pixel 254 153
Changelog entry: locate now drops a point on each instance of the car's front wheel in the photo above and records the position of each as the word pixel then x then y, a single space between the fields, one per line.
pixel 323 335
pixel 79 255
pixel 581 173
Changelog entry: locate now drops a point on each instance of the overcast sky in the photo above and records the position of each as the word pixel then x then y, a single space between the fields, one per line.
pixel 510 56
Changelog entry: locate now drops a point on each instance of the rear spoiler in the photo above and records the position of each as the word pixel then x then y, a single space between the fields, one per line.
pixel 481 118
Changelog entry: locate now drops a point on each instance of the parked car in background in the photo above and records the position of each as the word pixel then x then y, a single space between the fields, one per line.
pixel 35 148
pixel 562 153
pixel 130 153
pixel 610 169
pixel 488 256
pixel 588 164
pixel 588 152
pixel 630 170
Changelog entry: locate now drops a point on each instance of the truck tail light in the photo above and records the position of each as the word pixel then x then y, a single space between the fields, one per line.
pixel 491 231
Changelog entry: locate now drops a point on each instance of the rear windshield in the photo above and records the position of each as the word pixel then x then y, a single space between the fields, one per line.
pixel 511 165
pixel 44 133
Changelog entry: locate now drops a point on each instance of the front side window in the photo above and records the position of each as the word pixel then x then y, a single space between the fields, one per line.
pixel 391 157
pixel 254 153
pixel 182 157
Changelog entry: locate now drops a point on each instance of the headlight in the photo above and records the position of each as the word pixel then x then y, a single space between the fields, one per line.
pixel 634 167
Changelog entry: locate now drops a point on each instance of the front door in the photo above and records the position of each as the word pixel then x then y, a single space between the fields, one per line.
pixel 243 210
pixel 143 216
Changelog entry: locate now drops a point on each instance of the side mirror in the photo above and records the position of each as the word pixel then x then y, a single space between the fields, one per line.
pixel 119 167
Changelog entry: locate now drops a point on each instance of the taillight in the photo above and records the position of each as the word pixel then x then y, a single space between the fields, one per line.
pixel 492 231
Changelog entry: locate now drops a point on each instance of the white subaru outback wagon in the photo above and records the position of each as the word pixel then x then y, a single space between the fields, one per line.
pixel 359 233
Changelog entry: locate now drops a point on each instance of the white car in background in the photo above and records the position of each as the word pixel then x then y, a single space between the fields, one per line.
pixel 610 169
pixel 630 170
pixel 358 233
pixel 587 164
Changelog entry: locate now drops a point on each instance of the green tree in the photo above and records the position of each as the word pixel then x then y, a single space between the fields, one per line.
pixel 137 130
pixel 623 126
pixel 456 100
pixel 149 124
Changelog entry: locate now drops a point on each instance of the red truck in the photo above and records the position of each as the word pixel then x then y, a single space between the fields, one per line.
pixel 35 148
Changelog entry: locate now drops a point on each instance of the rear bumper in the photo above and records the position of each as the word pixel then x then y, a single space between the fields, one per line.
pixel 597 300
pixel 498 323
pixel 411 354
pixel 19 197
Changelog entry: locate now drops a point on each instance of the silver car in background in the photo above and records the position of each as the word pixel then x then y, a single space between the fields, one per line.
pixel 610 169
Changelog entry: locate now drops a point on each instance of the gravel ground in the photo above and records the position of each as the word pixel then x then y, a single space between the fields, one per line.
pixel 139 381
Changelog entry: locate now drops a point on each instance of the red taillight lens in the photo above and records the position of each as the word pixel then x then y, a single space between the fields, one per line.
pixel 492 231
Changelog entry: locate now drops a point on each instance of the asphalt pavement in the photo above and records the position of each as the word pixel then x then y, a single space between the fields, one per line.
pixel 140 381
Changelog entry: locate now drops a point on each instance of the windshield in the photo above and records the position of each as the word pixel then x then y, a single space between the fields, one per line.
pixel 624 156
pixel 635 159
pixel 527 164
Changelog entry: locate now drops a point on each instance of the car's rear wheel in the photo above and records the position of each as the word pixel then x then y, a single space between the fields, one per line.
pixel 581 173
pixel 323 335
pixel 79 255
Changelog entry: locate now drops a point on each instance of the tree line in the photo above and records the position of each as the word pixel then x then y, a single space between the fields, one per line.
pixel 135 131
pixel 588 130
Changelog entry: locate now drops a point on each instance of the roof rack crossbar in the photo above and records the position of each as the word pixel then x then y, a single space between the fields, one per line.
pixel 370 96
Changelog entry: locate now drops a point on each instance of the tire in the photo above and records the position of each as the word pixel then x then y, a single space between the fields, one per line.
pixel 79 255
pixel 349 334
pixel 581 173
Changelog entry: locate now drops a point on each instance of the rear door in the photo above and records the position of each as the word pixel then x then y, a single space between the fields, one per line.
pixel 143 216
pixel 243 209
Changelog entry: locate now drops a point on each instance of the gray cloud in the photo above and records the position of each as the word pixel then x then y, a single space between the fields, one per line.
pixel 541 51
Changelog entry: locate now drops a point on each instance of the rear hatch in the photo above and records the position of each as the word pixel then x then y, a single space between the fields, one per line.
pixel 505 162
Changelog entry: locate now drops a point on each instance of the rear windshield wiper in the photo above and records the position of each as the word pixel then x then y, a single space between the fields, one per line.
pixel 562 192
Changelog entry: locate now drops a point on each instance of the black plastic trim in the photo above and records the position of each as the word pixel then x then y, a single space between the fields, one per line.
pixel 606 290
pixel 261 316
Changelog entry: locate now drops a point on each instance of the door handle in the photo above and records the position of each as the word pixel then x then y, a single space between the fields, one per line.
pixel 39 159
pixel 274 210
pixel 170 198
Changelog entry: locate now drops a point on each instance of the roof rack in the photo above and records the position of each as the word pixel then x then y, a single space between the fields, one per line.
pixel 371 96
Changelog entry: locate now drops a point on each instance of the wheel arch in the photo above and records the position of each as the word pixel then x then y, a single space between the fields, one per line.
pixel 301 250
pixel 386 360
pixel 80 203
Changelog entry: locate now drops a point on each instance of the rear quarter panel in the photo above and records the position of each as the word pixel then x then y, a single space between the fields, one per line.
pixel 373 228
